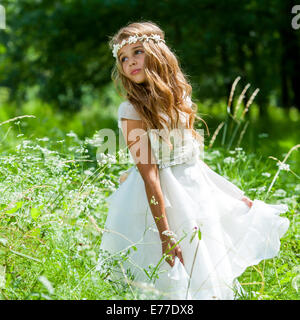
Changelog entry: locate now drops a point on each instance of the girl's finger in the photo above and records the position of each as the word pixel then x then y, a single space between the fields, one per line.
pixel 179 255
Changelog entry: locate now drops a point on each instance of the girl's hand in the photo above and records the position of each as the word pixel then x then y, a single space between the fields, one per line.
pixel 123 176
pixel 248 202
pixel 176 251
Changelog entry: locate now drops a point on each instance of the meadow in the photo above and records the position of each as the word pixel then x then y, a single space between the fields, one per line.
pixel 53 197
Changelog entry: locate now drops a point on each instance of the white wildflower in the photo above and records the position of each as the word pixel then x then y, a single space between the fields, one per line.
pixel 266 174
pixel 81 150
pixel 252 189
pixel 254 293
pixel 45 150
pixel 72 134
pixel 104 159
pixel 283 166
pixel 96 141
pixel 280 193
pixel 42 139
pixel 26 142
pixel 88 172
pixel 100 265
pixel 101 158
pixel 108 184
pixel 170 234
pixel 123 156
pixel 216 153
pixel 111 158
pixel 229 160
pixel 261 189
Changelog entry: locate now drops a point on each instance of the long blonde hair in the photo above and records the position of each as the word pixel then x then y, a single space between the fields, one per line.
pixel 166 89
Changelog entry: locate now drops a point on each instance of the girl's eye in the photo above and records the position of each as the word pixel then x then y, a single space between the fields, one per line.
pixel 122 60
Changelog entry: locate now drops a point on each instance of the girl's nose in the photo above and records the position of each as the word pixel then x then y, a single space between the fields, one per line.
pixel 132 62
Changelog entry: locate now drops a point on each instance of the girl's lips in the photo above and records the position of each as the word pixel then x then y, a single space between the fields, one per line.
pixel 136 71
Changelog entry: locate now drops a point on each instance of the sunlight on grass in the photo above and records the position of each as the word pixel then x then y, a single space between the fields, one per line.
pixel 53 205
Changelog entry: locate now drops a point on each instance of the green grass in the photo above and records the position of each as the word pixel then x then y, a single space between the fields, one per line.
pixel 51 184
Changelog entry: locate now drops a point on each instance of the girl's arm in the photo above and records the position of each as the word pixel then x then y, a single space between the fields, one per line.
pixel 137 140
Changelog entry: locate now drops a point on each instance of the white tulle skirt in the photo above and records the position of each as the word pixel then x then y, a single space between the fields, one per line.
pixel 233 236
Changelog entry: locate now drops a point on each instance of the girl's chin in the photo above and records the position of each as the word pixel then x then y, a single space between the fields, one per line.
pixel 140 81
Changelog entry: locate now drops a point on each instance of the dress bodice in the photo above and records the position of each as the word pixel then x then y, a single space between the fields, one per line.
pixel 181 147
pixel 176 146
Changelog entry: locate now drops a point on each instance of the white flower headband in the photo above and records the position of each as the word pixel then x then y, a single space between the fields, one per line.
pixel 134 39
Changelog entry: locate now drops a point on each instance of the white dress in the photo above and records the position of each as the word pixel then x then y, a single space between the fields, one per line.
pixel 232 235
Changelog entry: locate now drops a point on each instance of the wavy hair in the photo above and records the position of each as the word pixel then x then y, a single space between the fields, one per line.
pixel 166 89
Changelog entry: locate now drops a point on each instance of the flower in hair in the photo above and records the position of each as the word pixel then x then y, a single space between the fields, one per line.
pixel 134 39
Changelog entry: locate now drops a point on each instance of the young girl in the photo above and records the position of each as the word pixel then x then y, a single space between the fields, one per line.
pixel 190 231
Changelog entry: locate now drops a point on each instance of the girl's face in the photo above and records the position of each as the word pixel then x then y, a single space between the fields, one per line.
pixel 131 58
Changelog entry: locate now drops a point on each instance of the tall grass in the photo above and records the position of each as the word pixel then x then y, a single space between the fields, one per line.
pixel 53 208
pixel 235 121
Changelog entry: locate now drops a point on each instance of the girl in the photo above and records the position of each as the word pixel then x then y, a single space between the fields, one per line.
pixel 184 228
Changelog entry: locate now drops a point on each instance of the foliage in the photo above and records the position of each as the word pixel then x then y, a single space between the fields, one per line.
pixel 68 57
pixel 53 209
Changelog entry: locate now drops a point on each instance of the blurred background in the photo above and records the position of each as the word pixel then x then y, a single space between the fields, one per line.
pixel 55 64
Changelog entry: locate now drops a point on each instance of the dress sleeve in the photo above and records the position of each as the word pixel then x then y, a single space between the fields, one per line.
pixel 126 110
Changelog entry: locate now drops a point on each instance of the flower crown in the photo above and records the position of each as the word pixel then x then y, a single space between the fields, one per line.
pixel 134 39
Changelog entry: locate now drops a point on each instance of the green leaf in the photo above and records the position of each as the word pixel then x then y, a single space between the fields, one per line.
pixel 36 232
pixel 2 206
pixel 192 237
pixel 199 234
pixel 16 208
pixel 35 213
pixel 146 272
